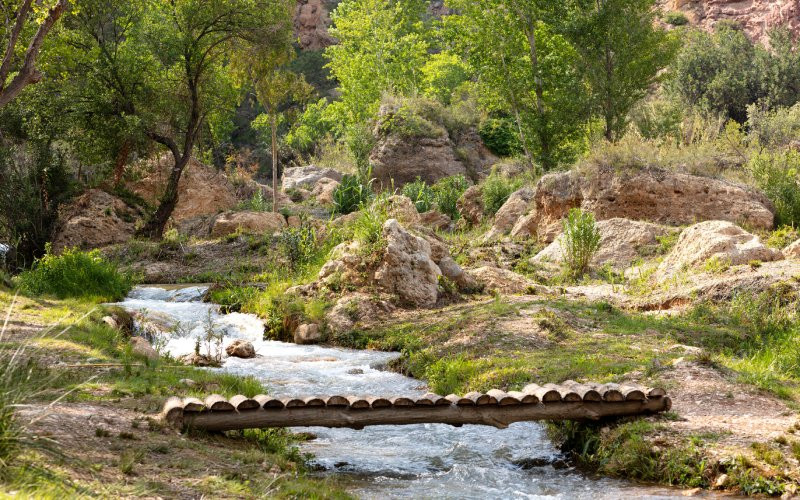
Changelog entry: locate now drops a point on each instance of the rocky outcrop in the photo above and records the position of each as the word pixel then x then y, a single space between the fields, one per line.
pixel 307 177
pixel 241 349
pixel 720 240
pixel 436 220
pixel 407 269
pixel 757 17
pixel 93 220
pixel 440 254
pixel 308 334
pixel 403 209
pixel 324 189
pixel 622 241
pixel 470 206
pixel 311 22
pixel 792 251
pixel 202 189
pixel 515 207
pixel 648 194
pixel 350 309
pixel 495 279
pixel 249 222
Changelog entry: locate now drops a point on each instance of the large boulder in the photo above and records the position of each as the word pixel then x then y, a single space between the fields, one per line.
pixel 470 206
pixel 241 349
pixel 407 269
pixel 515 207
pixel 622 241
pixel 756 17
pixel 324 189
pixel 141 347
pixel 307 177
pixel 403 209
pixel 95 219
pixel 647 194
pixel 720 240
pixel 308 334
pixel 202 190
pixel 249 222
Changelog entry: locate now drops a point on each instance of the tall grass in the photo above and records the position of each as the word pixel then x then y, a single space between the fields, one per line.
pixel 580 241
pixel 76 274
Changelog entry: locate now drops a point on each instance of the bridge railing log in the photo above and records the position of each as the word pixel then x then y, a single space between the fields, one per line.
pixel 568 401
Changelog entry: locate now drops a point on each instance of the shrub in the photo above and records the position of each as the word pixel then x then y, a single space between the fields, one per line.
pixel 256 203
pixel 496 191
pixel 676 18
pixel 500 135
pixel 783 237
pixel 299 244
pixel 773 128
pixel 420 193
pixel 447 192
pixel 76 274
pixel 580 241
pixel 350 195
pixel 776 175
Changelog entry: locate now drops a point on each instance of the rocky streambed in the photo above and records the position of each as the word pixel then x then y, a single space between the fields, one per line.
pixel 431 461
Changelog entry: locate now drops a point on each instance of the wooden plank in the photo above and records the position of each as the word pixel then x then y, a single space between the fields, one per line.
pixel 243 403
pixel 503 398
pixel 586 392
pixel 478 398
pixel 437 399
pixel 261 399
pixel 294 402
pixel 632 393
pixel 193 405
pixel 314 401
pixel 656 393
pixel 492 415
pixel 426 400
pixel 401 401
pixel 272 403
pixel 458 400
pixel 610 392
pixel 544 394
pixel 526 399
pixel 566 393
pixel 337 401
pixel 173 412
pixel 379 402
pixel 357 403
pixel 215 402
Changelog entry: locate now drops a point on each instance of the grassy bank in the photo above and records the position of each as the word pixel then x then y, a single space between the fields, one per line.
pixel 101 439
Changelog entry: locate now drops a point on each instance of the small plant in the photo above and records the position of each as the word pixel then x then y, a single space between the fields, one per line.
pixel 783 237
pixel 212 340
pixel 755 264
pixel 496 191
pixel 447 192
pixel 420 193
pixel 716 265
pixel 76 274
pixel 299 244
pixel 580 241
pixel 350 195
pixel 676 18
pixel 256 203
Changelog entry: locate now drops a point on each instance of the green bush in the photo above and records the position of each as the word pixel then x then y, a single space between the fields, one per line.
pixel 420 193
pixel 256 203
pixel 776 174
pixel 500 135
pixel 350 195
pixel 580 241
pixel 299 244
pixel 496 191
pixel 76 274
pixel 446 193
pixel 676 18
pixel 773 128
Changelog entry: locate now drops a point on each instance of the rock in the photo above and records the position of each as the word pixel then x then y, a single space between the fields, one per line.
pixel 495 279
pixel 436 220
pixel 241 349
pixel 647 194
pixel 119 319
pixel 293 221
pixel 141 347
pixel 308 334
pixel 440 254
pixel 249 222
pixel 792 251
pixel 621 241
pixel 311 21
pixel 515 207
pixel 95 219
pixel 324 189
pixel 714 239
pixel 350 309
pixel 355 371
pixel 345 266
pixel 201 360
pixel 202 190
pixel 756 17
pixel 307 177
pixel 403 209
pixel 111 322
pixel 199 226
pixel 470 206
pixel 188 382
pixel 407 269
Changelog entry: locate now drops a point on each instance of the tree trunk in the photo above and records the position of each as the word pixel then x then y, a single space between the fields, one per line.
pixel 274 126
pixel 121 161
pixel 155 226
pixel 515 104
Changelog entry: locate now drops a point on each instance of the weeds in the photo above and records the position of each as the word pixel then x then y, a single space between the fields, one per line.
pixel 496 191
pixel 579 242
pixel 351 194
pixel 420 194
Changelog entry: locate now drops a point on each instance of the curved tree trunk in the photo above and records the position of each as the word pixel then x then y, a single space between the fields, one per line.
pixel 155 226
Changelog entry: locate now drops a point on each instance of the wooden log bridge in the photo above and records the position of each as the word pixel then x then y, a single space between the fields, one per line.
pixel 567 401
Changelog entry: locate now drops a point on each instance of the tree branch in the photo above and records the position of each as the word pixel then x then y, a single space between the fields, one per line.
pixel 22 15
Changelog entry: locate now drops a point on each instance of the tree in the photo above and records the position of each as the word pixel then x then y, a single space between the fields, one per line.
pixel 277 88
pixel 382 48
pixel 524 67
pixel 168 76
pixel 622 54
pixel 21 18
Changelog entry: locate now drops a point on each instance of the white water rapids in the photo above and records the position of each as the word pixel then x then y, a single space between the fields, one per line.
pixel 414 461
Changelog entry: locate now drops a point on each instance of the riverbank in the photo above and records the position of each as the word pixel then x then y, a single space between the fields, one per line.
pixel 91 406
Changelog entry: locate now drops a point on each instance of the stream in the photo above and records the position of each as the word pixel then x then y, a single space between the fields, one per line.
pixel 414 461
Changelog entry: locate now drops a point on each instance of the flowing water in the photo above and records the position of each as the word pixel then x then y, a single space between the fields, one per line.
pixel 414 461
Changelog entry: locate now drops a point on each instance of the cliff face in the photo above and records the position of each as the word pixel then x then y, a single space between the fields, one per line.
pixel 756 16
pixel 311 21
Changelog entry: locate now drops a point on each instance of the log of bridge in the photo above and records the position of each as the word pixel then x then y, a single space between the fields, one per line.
pixel 494 415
